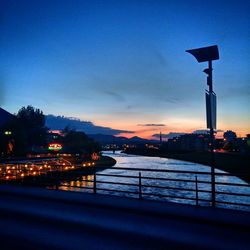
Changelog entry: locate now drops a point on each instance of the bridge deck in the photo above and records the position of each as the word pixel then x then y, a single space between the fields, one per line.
pixel 35 218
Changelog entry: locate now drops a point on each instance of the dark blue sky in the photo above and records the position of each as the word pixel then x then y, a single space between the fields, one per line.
pixel 123 63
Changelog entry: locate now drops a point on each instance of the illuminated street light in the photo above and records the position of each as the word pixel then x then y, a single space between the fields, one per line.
pixel 209 54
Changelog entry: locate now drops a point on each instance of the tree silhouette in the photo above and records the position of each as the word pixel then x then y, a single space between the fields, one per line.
pixel 32 125
pixel 78 142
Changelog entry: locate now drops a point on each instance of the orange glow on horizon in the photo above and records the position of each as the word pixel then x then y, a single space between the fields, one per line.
pixel 175 125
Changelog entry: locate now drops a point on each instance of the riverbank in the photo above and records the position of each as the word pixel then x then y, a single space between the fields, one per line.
pixel 53 178
pixel 236 164
pixel 105 161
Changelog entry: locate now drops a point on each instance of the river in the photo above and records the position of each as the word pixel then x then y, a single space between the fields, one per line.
pixel 157 163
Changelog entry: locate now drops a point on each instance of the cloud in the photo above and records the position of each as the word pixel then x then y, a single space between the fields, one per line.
pixel 115 95
pixel 172 100
pixel 160 58
pixel 170 135
pixel 152 125
pixel 129 107
pixel 148 129
pixel 60 122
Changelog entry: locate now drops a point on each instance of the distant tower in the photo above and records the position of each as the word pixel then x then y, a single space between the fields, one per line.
pixel 113 146
pixel 160 138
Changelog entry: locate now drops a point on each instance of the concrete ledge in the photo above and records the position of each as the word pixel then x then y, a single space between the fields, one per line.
pixel 157 208
pixel 120 223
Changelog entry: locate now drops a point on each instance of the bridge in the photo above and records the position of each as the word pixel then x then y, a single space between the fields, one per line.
pixel 36 218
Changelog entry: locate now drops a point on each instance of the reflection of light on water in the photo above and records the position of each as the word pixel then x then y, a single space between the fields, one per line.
pixel 131 161
pixel 87 180
pixel 82 184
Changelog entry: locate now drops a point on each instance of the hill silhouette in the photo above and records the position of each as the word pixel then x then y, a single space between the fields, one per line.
pixel 60 122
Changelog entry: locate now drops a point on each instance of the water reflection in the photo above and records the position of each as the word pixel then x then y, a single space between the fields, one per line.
pixel 168 190
pixel 83 183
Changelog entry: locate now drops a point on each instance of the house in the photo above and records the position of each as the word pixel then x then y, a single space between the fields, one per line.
pixel 5 117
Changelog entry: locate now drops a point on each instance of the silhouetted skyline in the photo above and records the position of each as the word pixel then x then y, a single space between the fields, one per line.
pixel 122 64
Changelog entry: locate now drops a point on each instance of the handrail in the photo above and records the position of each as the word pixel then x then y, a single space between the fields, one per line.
pixel 141 190
pixel 193 186
pixel 177 171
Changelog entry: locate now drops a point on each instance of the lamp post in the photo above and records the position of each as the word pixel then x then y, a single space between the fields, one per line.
pixel 208 54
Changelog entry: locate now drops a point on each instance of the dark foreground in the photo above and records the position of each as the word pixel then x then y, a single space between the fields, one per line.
pixel 33 218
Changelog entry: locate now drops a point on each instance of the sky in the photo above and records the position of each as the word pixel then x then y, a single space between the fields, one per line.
pixel 122 64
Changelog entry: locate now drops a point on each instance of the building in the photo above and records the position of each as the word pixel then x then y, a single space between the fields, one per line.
pixel 5 117
pixel 189 142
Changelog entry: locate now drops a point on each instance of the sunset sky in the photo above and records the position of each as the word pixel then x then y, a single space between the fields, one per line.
pixel 122 64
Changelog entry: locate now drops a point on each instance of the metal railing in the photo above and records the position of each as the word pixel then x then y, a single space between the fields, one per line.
pixel 192 188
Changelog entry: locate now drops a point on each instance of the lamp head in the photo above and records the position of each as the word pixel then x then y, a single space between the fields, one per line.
pixel 205 54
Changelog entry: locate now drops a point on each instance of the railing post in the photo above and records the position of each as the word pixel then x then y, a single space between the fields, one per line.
pixel 94 187
pixel 196 191
pixel 140 191
pixel 57 180
pixel 213 198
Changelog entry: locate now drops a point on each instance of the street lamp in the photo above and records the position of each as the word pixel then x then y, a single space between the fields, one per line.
pixel 208 54
pixel 7 132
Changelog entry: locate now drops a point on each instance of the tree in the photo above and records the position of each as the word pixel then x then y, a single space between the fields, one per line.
pixel 74 142
pixel 78 142
pixel 230 140
pixel 27 129
pixel 229 135
pixel 32 123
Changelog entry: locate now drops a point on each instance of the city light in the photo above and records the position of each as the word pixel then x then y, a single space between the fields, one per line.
pixel 55 146
pixel 15 171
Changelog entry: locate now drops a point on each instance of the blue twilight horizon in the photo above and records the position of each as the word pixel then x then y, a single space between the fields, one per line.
pixel 123 64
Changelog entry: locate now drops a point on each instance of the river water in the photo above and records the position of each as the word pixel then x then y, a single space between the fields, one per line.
pixel 174 194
